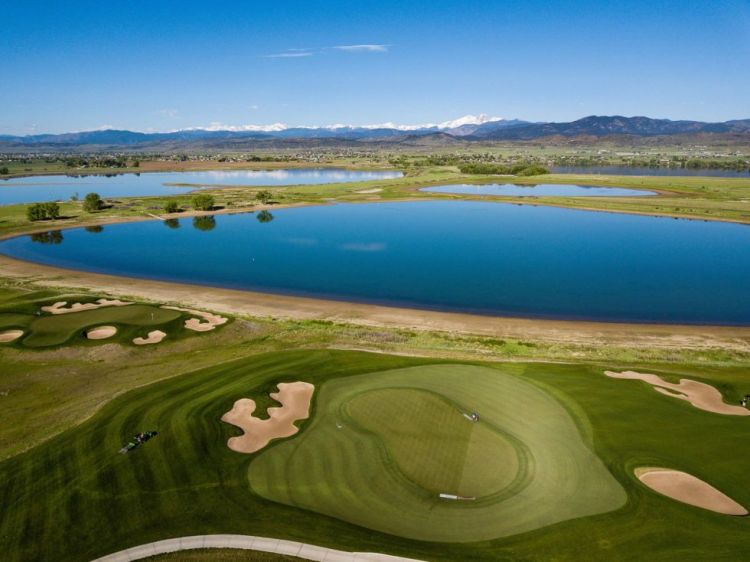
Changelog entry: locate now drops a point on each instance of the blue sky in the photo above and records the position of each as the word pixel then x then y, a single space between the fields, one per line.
pixel 141 65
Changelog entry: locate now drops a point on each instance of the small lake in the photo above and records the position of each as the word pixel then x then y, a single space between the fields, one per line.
pixel 482 257
pixel 539 190
pixel 644 171
pixel 60 188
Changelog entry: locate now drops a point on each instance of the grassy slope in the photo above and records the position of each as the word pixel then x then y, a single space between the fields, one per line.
pixel 86 500
pixel 555 476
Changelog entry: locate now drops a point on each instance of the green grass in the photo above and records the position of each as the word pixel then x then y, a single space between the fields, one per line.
pixel 524 460
pixel 75 498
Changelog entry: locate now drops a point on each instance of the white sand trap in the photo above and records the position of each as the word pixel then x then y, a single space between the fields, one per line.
pixel 10 335
pixel 154 336
pixel 204 323
pixel 101 332
pixel 61 308
pixel 700 395
pixel 688 489
pixel 376 190
pixel 295 400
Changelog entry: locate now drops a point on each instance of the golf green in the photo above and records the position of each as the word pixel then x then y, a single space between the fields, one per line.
pixel 382 447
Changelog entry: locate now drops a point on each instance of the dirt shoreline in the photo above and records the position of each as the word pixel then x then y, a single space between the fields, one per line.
pixel 285 307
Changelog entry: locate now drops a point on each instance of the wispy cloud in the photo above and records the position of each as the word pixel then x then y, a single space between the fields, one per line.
pixel 290 54
pixel 365 48
pixel 172 113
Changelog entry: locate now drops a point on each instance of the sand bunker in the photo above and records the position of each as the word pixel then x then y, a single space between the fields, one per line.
pixel 699 394
pixel 101 332
pixel 61 308
pixel 204 323
pixel 295 400
pixel 688 489
pixel 10 335
pixel 154 336
pixel 376 190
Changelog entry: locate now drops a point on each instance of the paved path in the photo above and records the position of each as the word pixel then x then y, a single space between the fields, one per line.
pixel 246 542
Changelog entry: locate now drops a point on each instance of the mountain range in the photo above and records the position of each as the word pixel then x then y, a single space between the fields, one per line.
pixel 469 128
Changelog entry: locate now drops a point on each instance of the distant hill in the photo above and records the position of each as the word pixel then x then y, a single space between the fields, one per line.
pixel 467 129
pixel 600 126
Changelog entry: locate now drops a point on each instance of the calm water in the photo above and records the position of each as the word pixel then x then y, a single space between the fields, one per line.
pixel 56 188
pixel 472 256
pixel 540 190
pixel 643 171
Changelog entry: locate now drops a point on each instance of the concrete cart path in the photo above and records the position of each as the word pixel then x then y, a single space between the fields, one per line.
pixel 246 542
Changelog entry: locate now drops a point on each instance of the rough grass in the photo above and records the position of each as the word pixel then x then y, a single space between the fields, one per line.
pixel 222 555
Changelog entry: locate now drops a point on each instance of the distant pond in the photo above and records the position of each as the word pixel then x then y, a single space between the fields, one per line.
pixel 63 187
pixel 472 256
pixel 539 190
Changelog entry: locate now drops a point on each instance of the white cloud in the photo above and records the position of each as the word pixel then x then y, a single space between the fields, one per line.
pixel 254 106
pixel 289 54
pixel 367 48
pixel 172 113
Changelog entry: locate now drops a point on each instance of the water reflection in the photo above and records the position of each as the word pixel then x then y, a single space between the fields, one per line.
pixel 172 223
pixel 205 223
pixel 95 229
pixel 51 237
pixel 264 216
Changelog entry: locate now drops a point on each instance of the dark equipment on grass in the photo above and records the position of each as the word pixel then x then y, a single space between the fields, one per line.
pixel 138 440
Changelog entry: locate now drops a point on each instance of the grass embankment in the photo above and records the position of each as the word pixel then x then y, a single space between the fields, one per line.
pixel 705 198
pixel 75 497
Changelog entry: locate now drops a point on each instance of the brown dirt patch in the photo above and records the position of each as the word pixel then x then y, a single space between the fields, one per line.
pixel 688 489
pixel 101 332
pixel 700 395
pixel 295 400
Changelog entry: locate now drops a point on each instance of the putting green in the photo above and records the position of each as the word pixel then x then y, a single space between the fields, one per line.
pixel 381 448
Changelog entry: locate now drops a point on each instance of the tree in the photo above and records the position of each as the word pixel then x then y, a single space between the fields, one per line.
pixel 264 196
pixel 4 170
pixel 51 210
pixel 171 207
pixel 35 212
pixel 264 216
pixel 42 211
pixel 206 222
pixel 203 202
pixel 92 202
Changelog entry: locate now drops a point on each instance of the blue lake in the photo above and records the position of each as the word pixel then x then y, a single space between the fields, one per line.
pixel 493 258
pixel 539 190
pixel 58 188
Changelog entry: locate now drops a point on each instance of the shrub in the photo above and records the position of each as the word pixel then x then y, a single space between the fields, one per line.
pixel 92 202
pixel 4 170
pixel 203 202
pixel 479 168
pixel 532 171
pixel 42 211
pixel 264 196
pixel 171 207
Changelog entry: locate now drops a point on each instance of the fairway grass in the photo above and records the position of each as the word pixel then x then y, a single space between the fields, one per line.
pixel 74 498
pixel 524 460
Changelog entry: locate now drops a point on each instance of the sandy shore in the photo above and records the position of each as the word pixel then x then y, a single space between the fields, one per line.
pixel 250 303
